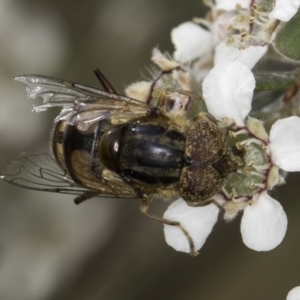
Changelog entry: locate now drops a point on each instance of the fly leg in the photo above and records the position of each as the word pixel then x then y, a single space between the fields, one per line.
pixel 85 196
pixel 108 87
pixel 144 209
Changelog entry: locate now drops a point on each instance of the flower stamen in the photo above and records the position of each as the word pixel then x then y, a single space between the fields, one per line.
pixel 225 192
pixel 240 199
pixel 260 185
pixel 242 131
pixel 252 140
pixel 261 168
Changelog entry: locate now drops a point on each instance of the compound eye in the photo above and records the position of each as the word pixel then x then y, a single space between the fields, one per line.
pixel 198 182
pixel 205 142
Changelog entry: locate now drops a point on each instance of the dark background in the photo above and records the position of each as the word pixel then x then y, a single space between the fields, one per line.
pixel 105 249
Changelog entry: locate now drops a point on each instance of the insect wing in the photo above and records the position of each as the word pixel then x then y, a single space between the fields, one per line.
pixel 74 97
pixel 41 172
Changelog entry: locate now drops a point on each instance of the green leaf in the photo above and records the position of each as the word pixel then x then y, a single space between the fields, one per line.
pixel 263 99
pixel 276 80
pixel 287 41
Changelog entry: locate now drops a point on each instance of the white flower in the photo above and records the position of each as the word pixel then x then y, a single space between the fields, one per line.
pixel 232 4
pixel 263 224
pixel 228 91
pixel 294 294
pixel 284 147
pixel 249 56
pixel 191 41
pixel 238 31
pixel 202 222
pixel 284 10
pixel 169 74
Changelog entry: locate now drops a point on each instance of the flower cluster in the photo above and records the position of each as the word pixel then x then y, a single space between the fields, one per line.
pixel 214 57
pixel 228 90
pixel 235 30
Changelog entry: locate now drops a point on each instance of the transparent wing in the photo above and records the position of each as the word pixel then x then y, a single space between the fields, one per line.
pixel 41 172
pixel 93 104
pixel 57 92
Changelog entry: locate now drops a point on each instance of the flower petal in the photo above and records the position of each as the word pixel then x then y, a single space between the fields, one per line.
pixel 231 4
pixel 198 221
pixel 284 10
pixel 263 224
pixel 139 90
pixel 219 27
pixel 163 61
pixel 191 41
pixel 285 143
pixel 249 56
pixel 294 294
pixel 228 91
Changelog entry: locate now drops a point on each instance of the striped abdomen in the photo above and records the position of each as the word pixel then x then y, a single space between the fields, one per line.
pixel 146 152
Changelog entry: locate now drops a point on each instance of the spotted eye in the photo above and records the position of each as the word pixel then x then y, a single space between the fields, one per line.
pixel 199 182
pixel 205 142
pixel 206 148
